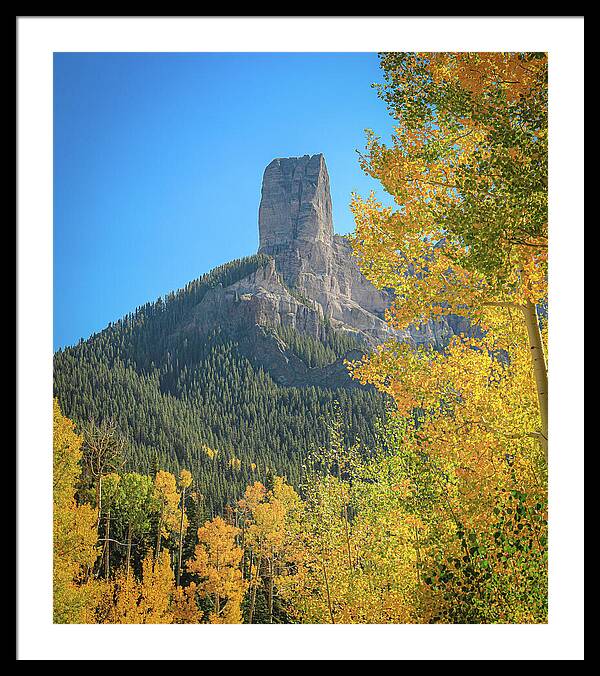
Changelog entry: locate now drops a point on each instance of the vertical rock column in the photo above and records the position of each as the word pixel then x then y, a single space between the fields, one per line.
pixel 295 206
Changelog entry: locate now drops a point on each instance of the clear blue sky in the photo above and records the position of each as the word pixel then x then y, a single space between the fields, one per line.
pixel 158 161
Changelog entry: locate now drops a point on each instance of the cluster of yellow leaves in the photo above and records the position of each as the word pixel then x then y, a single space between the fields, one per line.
pixel 467 168
pixel 342 571
pixel 185 478
pixel 235 464
pixel 168 497
pixel 151 600
pixel 422 267
pixel 265 518
pixel 211 453
pixel 349 557
pixel 74 529
pixel 184 605
pixel 479 72
pixel 217 563
pixel 479 408
pixel 268 510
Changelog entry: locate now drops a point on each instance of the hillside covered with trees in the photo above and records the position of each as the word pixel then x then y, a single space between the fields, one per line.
pixel 191 488
pixel 188 400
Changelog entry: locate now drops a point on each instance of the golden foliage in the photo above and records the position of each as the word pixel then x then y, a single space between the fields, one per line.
pixel 217 563
pixel 468 171
pixel 167 497
pixel 74 528
pixel 184 606
pixel 148 601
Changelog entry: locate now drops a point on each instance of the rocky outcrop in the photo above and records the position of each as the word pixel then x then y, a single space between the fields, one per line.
pixel 295 206
pixel 261 299
pixel 296 229
pixel 310 278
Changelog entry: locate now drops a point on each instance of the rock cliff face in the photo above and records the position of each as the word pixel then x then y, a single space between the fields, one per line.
pixel 296 229
pixel 295 205
pixel 310 277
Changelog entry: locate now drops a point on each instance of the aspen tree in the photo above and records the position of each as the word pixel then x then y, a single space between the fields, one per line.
pixel 103 452
pixel 135 504
pixel 185 481
pixel 74 527
pixel 110 486
pixel 468 170
pixel 167 498
pixel 216 562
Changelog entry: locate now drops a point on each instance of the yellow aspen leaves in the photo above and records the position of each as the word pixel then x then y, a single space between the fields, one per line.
pixel 74 528
pixel 217 564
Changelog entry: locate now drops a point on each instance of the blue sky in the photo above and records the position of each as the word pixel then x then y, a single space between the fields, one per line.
pixel 158 161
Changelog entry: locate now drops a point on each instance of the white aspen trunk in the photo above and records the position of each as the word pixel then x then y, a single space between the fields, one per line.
pixel 331 617
pixel 128 549
pixel 540 369
pixel 98 501
pixel 158 537
pixel 271 574
pixel 254 588
pixel 107 547
pixel 180 538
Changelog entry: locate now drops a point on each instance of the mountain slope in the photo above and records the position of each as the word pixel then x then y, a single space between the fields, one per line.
pixel 178 396
pixel 237 374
